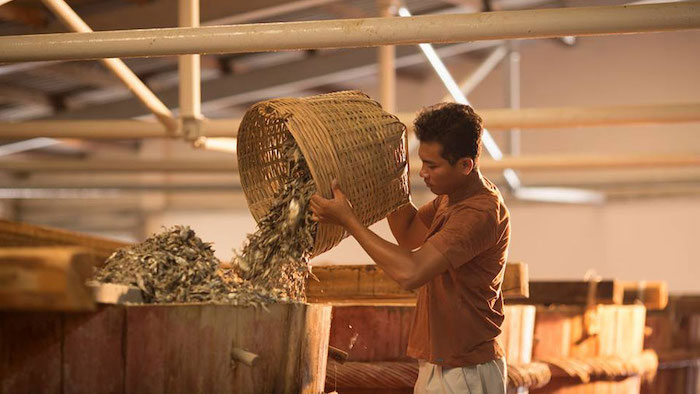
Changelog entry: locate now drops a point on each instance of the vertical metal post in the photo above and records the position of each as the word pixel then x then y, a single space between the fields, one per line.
pixel 387 62
pixel 513 94
pixel 190 75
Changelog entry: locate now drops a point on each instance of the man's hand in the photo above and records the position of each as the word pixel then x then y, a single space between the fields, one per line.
pixel 334 211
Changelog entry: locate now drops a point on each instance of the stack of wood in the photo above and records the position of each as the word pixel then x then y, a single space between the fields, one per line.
pixel 674 333
pixel 590 340
pixel 372 316
pixel 57 334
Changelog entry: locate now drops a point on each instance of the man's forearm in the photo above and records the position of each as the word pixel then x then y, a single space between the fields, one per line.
pixel 395 260
pixel 400 223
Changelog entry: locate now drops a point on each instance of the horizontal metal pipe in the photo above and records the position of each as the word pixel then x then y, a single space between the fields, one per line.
pixel 552 117
pixel 107 129
pixel 534 118
pixel 350 33
pixel 559 163
pixel 519 163
pixel 119 165
pixel 497 118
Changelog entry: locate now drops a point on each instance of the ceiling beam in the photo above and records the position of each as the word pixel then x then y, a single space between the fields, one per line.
pixel 274 81
pixel 154 14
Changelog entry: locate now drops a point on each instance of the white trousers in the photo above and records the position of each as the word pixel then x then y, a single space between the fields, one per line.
pixel 486 378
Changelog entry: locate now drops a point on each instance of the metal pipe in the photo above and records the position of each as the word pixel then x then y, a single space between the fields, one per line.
pixel 513 82
pixel 348 33
pixel 552 117
pixel 495 119
pixel 387 62
pixel 69 18
pixel 547 163
pixel 190 74
pixel 108 129
pixel 539 163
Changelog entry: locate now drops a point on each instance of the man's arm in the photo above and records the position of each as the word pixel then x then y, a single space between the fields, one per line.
pixel 407 227
pixel 409 269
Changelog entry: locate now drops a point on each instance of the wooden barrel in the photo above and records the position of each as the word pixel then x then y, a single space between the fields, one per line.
pixel 186 348
pixel 592 349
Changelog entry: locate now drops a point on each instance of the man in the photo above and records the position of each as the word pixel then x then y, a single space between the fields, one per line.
pixel 453 249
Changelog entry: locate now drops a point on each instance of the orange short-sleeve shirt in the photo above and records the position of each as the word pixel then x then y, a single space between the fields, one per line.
pixel 459 312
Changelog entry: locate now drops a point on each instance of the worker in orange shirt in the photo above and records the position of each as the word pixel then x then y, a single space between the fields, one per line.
pixel 452 249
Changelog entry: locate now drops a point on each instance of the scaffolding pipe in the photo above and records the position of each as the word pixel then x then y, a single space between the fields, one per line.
pixel 190 75
pixel 530 119
pixel 349 33
pixel 387 63
pixel 532 163
pixel 69 18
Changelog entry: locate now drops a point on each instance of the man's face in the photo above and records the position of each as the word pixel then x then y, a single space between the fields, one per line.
pixel 439 175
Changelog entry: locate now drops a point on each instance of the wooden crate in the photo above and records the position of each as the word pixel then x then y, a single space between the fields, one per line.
pixel 165 349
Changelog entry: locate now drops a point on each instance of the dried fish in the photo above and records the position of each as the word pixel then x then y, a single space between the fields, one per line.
pixel 177 266
pixel 276 256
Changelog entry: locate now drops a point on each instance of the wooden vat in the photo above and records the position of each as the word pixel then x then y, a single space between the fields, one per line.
pixel 186 348
pixel 592 349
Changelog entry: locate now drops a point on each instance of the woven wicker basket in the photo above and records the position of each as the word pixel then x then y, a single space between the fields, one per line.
pixel 343 135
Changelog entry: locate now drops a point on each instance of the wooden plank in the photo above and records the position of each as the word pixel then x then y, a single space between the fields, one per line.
pixel 13 234
pixel 93 357
pixel 653 295
pixel 50 278
pixel 368 282
pixel 111 293
pixel 516 281
pixel 544 292
pixel 30 352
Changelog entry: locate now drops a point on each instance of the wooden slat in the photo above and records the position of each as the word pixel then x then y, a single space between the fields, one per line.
pixel 516 281
pixel 110 293
pixel 13 234
pixel 654 295
pixel 574 292
pixel 369 284
pixel 51 278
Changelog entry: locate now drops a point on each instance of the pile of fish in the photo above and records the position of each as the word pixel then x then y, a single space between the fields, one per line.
pixel 177 266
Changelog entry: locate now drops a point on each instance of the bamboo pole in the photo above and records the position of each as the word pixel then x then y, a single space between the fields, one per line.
pixel 349 33
pixel 539 163
pixel 69 18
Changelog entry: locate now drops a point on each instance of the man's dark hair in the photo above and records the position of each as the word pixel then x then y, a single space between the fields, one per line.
pixel 455 126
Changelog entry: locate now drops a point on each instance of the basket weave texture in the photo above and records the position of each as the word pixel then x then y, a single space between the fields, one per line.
pixel 343 135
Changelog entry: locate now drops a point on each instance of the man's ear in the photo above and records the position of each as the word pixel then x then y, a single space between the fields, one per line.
pixel 465 165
